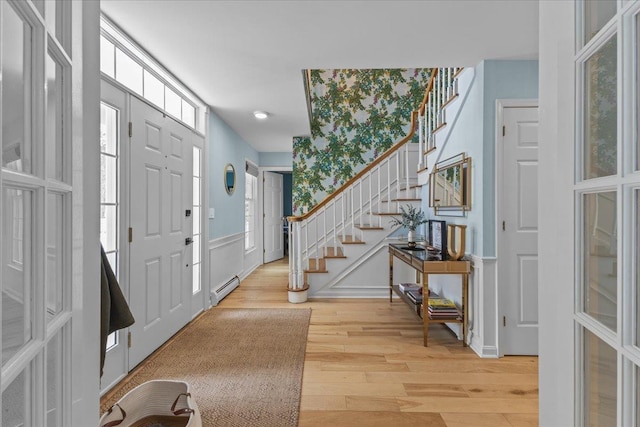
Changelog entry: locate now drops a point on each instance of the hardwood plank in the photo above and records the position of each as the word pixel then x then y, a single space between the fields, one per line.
pixel 325 348
pixel 333 377
pixel 365 367
pixel 522 420
pixel 352 389
pixel 323 403
pixel 470 404
pixel 372 403
pixel 477 366
pixel 445 390
pixel 510 391
pixel 476 420
pixel 368 418
pixel 452 378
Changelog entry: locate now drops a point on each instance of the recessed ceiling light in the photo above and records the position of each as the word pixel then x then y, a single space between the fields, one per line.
pixel 260 115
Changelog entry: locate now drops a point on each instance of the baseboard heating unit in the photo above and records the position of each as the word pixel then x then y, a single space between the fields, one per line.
pixel 224 290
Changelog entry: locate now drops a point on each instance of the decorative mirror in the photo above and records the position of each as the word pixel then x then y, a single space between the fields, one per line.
pixel 229 178
pixel 450 186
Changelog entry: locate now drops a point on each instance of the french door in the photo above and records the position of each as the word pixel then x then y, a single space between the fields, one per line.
pixel 35 213
pixel 607 213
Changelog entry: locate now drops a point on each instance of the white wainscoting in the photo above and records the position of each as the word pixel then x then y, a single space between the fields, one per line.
pixel 227 259
pixel 483 300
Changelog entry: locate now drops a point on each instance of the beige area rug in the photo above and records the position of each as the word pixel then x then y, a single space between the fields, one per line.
pixel 244 366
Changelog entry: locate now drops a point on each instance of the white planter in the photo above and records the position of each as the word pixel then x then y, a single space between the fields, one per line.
pixel 297 297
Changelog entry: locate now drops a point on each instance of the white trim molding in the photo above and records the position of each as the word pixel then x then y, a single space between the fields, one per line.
pixel 225 260
pixel 483 313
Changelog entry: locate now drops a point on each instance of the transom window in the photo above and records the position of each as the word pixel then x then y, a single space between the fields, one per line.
pixel 123 61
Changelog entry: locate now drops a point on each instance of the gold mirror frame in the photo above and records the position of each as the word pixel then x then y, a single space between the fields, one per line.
pixel 229 178
pixel 450 185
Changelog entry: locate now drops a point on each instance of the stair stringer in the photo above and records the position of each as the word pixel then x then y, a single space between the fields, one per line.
pixel 366 277
pixel 452 112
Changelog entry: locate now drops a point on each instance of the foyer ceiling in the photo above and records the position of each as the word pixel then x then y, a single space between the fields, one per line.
pixel 241 56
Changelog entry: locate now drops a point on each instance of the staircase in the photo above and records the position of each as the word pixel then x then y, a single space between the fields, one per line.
pixel 339 248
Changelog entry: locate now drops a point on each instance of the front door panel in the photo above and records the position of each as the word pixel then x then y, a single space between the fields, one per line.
pixel 160 285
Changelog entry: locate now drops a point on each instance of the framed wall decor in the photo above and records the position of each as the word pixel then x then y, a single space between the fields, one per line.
pixel 450 186
pixel 437 230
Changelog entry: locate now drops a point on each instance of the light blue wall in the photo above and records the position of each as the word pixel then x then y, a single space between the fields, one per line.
pixel 474 134
pixel 226 146
pixel 466 137
pixel 502 80
pixel 283 159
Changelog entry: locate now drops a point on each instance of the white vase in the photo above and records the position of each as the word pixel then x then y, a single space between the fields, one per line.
pixel 297 297
pixel 411 237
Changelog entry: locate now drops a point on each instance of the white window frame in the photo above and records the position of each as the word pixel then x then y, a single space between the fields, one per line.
pixel 32 356
pixel 111 32
pixel 625 183
pixel 197 248
pixel 251 182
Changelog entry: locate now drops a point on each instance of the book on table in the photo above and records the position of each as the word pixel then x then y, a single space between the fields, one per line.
pixel 440 303
pixel 404 287
pixel 414 295
pixel 442 308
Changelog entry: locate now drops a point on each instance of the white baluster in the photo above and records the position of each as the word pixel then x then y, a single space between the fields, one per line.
pixel 406 167
pixel 306 241
pixel 370 195
pixel 342 211
pixel 388 181
pixel 353 214
pixel 421 151
pixel 335 226
pixel 360 184
pixel 397 156
pixel 379 187
pixel 324 234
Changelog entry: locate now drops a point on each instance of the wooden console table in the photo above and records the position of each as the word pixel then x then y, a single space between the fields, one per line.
pixel 425 263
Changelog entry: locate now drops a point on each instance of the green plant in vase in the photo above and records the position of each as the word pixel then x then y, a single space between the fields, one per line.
pixel 410 218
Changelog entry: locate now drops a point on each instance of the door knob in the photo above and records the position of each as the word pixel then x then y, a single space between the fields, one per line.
pixel 188 241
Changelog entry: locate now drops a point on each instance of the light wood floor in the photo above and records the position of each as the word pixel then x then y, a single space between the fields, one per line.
pixel 365 366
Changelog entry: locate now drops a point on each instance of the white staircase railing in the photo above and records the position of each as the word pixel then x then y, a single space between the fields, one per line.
pixel 343 216
pixel 355 206
pixel 443 88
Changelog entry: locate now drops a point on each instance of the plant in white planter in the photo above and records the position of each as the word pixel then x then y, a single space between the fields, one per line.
pixel 410 218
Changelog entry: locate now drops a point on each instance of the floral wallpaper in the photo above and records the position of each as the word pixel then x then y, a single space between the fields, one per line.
pixel 357 115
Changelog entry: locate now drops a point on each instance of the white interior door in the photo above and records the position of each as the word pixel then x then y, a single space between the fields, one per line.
pixel 273 234
pixel 518 240
pixel 160 286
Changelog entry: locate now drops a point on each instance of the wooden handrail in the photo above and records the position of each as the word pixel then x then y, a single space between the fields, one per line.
pixel 380 159
pixel 360 174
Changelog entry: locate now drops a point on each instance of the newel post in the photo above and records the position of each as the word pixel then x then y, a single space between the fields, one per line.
pixel 297 290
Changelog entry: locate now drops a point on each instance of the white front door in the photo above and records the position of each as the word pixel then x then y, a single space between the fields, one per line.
pixel 160 285
pixel 518 237
pixel 273 234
